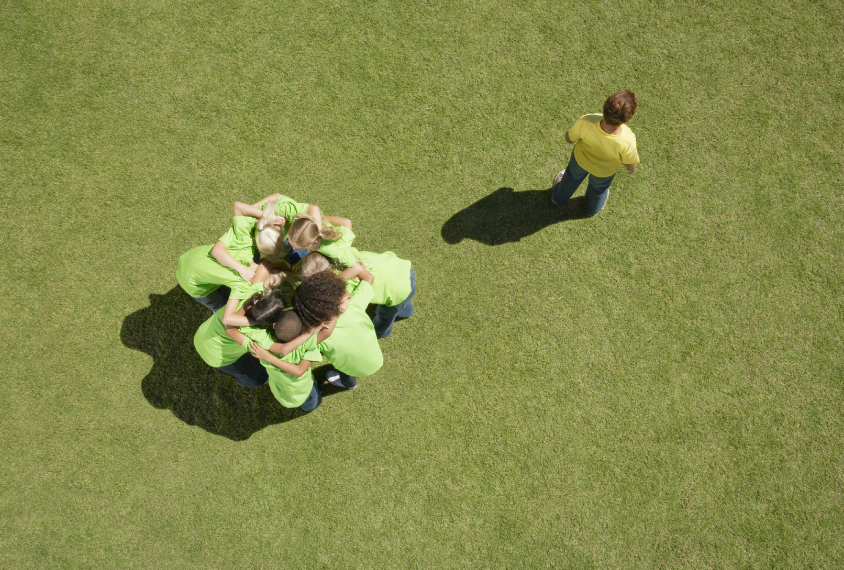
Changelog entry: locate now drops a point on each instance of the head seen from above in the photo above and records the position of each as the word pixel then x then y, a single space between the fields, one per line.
pixel 305 233
pixel 620 107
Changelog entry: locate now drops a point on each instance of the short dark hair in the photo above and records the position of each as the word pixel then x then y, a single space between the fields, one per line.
pixel 288 326
pixel 620 107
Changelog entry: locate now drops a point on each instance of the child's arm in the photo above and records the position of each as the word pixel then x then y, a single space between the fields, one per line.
pixel 295 369
pixel 316 214
pixel 335 221
pixel 285 348
pixel 568 140
pixel 631 168
pixel 234 317
pixel 349 272
pixel 222 255
pixel 236 335
pixel 262 271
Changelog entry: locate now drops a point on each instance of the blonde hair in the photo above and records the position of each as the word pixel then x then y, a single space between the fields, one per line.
pixel 275 279
pixel 268 240
pixel 315 262
pixel 303 232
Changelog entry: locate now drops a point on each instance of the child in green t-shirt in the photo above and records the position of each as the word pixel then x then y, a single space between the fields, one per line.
pixel 352 347
pixel 394 283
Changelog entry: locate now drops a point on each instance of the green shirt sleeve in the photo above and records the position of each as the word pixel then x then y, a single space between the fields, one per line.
pixel 238 238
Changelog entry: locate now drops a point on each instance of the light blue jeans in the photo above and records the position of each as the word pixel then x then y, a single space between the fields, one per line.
pixel 597 190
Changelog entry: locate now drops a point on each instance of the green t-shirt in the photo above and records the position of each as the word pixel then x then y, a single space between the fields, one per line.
pixel 287 389
pixel 352 347
pixel 288 208
pixel 392 276
pixel 216 347
pixel 200 274
pixel 341 248
pixel 243 291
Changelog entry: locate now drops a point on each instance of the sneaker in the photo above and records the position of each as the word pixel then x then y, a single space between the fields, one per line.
pixel 557 179
pixel 335 379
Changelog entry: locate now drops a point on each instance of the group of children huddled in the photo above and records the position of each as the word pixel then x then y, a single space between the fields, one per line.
pixel 287 288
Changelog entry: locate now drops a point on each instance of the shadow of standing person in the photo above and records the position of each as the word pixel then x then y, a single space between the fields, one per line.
pixel 179 379
pixel 506 216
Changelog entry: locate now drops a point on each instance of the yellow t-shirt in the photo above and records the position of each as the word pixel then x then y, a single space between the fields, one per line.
pixel 599 152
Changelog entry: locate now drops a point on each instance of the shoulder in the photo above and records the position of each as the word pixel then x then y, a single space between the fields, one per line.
pixel 628 135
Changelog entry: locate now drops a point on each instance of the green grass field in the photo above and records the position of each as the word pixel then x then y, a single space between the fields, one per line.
pixel 656 387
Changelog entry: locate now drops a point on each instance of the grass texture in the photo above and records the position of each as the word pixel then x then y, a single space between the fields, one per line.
pixel 656 387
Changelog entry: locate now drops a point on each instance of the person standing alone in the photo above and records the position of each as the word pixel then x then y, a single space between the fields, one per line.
pixel 602 143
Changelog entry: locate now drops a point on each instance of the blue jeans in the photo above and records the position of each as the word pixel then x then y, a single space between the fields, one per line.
pixel 216 299
pixel 385 316
pixel 597 190
pixel 314 398
pixel 247 370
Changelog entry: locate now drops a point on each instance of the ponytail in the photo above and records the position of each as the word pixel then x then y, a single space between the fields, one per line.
pixel 303 232
pixel 268 240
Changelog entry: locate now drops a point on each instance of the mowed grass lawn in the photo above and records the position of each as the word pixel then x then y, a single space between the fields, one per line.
pixel 656 387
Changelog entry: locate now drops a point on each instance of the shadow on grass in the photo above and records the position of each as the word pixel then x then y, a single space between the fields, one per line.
pixel 506 216
pixel 180 381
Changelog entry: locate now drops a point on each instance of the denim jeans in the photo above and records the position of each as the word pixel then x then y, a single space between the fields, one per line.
pixel 314 398
pixel 385 316
pixel 247 370
pixel 216 299
pixel 597 190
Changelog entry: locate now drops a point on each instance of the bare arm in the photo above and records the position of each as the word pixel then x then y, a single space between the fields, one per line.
pixel 365 275
pixel 568 140
pixel 316 214
pixel 234 317
pixel 235 335
pixel 631 168
pixel 337 221
pixel 295 369
pixel 350 272
pixel 241 209
pixel 222 255
pixel 262 271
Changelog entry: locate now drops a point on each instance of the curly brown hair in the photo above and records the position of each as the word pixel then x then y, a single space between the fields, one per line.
pixel 318 298
pixel 620 107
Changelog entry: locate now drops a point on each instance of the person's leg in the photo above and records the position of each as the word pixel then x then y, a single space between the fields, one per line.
pixel 573 176
pixel 385 316
pixel 247 370
pixel 314 399
pixel 597 192
pixel 216 299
